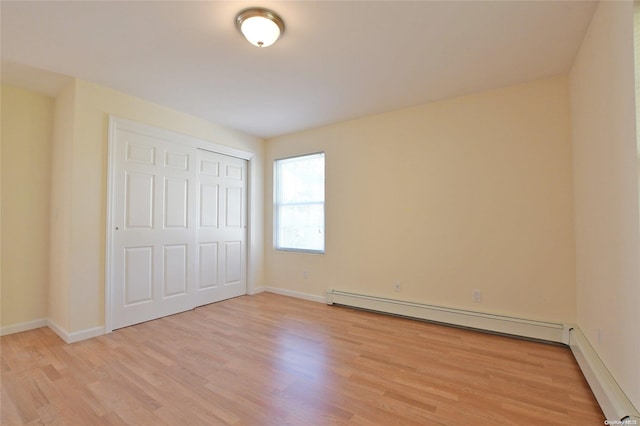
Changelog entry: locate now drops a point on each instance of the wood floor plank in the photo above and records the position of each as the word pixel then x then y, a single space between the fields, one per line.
pixel 272 360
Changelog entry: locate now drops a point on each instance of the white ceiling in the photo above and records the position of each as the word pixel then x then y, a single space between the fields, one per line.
pixel 337 59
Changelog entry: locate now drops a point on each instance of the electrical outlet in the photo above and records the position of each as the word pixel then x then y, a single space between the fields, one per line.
pixel 396 285
pixel 305 274
pixel 477 296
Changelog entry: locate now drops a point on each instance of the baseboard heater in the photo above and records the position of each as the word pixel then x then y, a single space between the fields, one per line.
pixel 549 331
pixel 613 401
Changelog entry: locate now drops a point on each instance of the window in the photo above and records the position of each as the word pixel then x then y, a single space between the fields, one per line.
pixel 299 203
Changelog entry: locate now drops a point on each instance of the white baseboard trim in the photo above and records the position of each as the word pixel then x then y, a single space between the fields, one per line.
pixel 61 332
pixel 75 336
pixel 542 330
pixel 23 326
pixel 296 294
pixel 256 290
pixel 612 399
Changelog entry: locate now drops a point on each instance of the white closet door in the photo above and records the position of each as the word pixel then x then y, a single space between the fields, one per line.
pixel 154 240
pixel 222 230
pixel 178 231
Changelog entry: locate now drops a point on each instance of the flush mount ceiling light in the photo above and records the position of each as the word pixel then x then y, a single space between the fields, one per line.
pixel 261 27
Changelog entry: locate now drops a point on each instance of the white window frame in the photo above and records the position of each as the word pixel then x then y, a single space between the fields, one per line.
pixel 277 204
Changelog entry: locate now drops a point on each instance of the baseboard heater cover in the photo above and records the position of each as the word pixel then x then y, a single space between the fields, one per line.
pixel 549 331
pixel 612 399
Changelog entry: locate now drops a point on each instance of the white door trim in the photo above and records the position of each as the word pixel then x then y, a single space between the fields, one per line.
pixel 116 123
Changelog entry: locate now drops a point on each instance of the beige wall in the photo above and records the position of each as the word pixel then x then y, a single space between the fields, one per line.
pixel 606 193
pixel 468 193
pixel 87 185
pixel 60 214
pixel 27 122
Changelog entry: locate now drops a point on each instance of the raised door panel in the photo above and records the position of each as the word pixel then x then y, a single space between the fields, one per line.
pixel 209 202
pixel 233 262
pixel 235 172
pixel 233 207
pixel 176 160
pixel 209 167
pixel 139 199
pixel 175 270
pixel 175 202
pixel 208 265
pixel 138 150
pixel 138 275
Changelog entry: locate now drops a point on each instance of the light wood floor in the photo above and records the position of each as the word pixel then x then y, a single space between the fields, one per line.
pixel 273 360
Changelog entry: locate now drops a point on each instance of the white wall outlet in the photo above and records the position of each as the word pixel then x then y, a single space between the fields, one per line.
pixel 396 285
pixel 305 274
pixel 477 296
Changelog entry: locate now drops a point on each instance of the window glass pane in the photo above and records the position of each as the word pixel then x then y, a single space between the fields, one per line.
pixel 299 203
pixel 302 179
pixel 301 227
